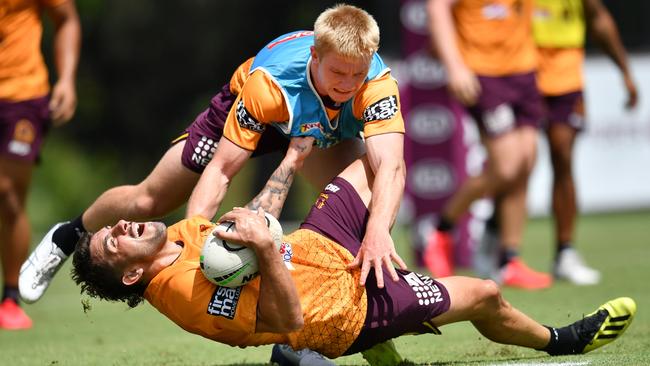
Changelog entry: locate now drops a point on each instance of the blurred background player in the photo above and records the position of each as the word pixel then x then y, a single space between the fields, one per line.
pixel 489 54
pixel 27 109
pixel 559 29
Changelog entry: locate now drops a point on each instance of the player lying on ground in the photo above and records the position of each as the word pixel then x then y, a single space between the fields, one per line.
pixel 318 304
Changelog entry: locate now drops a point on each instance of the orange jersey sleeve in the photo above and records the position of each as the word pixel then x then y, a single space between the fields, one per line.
pixel 23 74
pixel 259 103
pixel 334 306
pixel 377 103
pixel 560 70
pixel 495 37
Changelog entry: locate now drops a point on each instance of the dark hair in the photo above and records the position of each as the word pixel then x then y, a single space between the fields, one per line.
pixel 98 279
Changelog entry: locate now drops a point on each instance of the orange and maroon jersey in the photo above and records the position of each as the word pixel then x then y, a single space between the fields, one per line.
pixel 266 104
pixel 23 74
pixel 495 37
pixel 334 306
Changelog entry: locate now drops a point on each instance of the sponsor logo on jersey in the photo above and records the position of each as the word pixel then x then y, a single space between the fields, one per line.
pixel 247 121
pixel 204 151
pixel 383 109
pixel 310 126
pixel 287 254
pixel 425 289
pixel 224 302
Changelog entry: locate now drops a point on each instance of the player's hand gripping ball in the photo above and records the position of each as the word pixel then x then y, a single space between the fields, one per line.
pixel 229 264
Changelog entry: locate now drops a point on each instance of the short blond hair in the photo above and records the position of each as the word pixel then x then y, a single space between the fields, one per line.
pixel 346 30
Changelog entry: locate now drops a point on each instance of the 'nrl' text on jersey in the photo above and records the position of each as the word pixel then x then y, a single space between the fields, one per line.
pixel 286 60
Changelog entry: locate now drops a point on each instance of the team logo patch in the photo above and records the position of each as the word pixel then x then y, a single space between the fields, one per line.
pixel 204 151
pixel 247 121
pixel 425 289
pixel 24 136
pixel 224 302
pixel 383 109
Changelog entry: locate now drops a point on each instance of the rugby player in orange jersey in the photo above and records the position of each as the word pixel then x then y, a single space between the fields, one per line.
pixel 329 85
pixel 488 50
pixel 28 108
pixel 316 302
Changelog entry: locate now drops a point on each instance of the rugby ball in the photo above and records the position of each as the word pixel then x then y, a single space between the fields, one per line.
pixel 232 265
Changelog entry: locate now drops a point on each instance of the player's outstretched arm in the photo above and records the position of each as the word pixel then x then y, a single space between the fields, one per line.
pixel 213 184
pixel 604 30
pixel 278 308
pixel 272 197
pixel 385 156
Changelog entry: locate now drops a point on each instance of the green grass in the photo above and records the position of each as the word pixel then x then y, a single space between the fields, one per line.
pixel 109 334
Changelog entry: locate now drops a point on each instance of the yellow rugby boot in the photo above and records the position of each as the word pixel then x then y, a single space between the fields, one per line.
pixel 616 316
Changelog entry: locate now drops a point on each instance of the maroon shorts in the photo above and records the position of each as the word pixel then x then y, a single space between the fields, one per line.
pixel 402 307
pixel 567 109
pixel 506 103
pixel 202 136
pixel 23 126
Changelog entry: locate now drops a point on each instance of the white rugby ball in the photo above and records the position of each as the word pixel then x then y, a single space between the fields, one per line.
pixel 229 264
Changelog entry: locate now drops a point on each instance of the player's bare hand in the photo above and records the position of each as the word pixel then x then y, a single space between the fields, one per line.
pixel 63 102
pixel 251 228
pixel 632 94
pixel 464 85
pixel 377 250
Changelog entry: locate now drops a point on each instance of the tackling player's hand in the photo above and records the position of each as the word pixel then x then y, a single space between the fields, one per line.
pixel 377 250
pixel 632 94
pixel 251 228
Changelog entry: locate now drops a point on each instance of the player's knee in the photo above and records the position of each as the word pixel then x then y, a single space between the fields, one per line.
pixel 9 201
pixel 490 295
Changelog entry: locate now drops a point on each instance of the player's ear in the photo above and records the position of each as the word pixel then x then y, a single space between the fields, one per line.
pixel 314 54
pixel 132 276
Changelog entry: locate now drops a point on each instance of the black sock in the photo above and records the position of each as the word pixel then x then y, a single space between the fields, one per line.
pixel 492 223
pixel 67 235
pixel 564 341
pixel 445 225
pixel 560 246
pixel 10 292
pixel 507 255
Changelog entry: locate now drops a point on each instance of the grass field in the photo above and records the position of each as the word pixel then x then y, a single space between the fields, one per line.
pixel 109 334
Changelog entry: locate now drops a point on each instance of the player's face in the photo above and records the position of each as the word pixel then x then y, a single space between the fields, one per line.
pixel 336 76
pixel 127 242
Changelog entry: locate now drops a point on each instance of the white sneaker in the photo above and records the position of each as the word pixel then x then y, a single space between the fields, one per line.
pixel 486 256
pixel 39 269
pixel 571 267
pixel 284 355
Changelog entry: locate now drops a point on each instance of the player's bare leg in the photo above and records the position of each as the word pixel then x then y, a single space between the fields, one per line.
pixel 568 263
pixel 480 302
pixel 15 179
pixel 166 188
pixel 322 165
